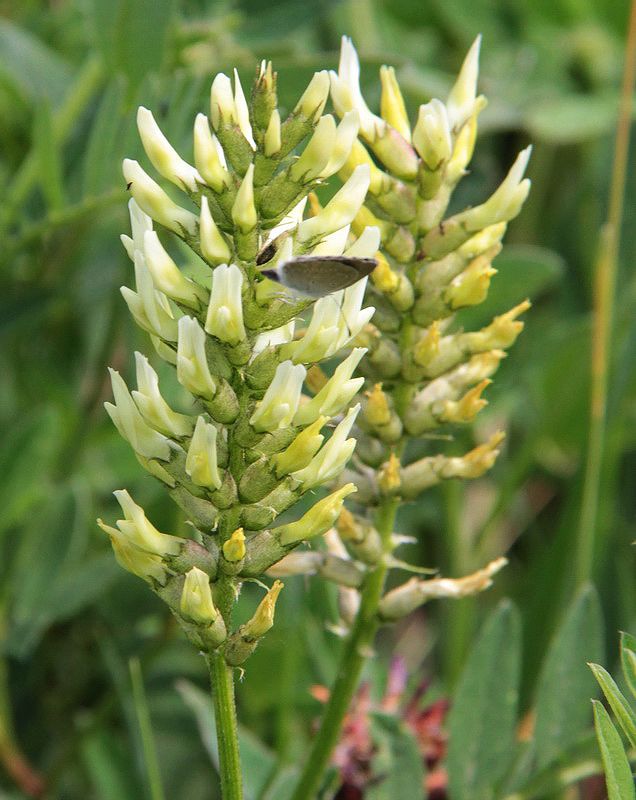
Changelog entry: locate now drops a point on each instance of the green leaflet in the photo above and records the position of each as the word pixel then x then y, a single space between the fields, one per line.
pixel 565 683
pixel 619 705
pixel 618 773
pixel 398 761
pixel 483 717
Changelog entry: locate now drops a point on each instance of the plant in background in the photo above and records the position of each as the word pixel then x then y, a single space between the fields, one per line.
pixel 618 772
pixel 252 444
pixel 423 372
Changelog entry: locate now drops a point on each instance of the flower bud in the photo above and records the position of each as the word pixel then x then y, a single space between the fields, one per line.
pixel 389 479
pixel 244 211
pixel 397 155
pixel 379 181
pixel 432 135
pixel 336 394
pixel 141 533
pixel 201 461
pixel 384 278
pixel 431 470
pixel 464 145
pixel 332 457
pixel 152 405
pixel 346 94
pixel 225 311
pixel 272 142
pixel 340 210
pixel 263 618
pixel 461 100
pixel 149 307
pixel 345 139
pixel 501 333
pixel 222 106
pixel 376 409
pixel 360 537
pixel 132 559
pixel 335 320
pixel 277 408
pixel 234 547
pixel 479 460
pixel 414 593
pixel 301 450
pixel 317 520
pixel 316 154
pixel 264 98
pixel 297 562
pixel 242 111
pixel 467 408
pixel 427 408
pixel 209 157
pixel 131 425
pixel 214 247
pixel 506 201
pixel 193 371
pixel 314 98
pixel 152 199
pixel 140 222
pixel 196 598
pixel 470 287
pixel 428 346
pixel 167 277
pixel 366 245
pixel 162 154
pixel 197 606
pixel 392 106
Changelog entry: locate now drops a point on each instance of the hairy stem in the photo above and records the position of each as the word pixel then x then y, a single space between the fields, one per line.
pixel 222 680
pixel 356 651
pixel 604 295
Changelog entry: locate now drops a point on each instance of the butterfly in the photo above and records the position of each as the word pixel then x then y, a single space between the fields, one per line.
pixel 317 276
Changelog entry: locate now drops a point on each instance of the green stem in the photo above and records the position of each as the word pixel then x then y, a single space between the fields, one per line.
pixel 145 726
pixel 222 680
pixel 604 294
pixel 356 651
pixel 80 94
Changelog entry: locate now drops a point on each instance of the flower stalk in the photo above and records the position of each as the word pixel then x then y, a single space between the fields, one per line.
pixel 265 424
pixel 422 371
pixel 249 446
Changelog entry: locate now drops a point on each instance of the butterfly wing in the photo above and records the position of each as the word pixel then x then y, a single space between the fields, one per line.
pixel 317 276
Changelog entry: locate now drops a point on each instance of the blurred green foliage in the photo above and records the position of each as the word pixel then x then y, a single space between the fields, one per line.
pixel 71 76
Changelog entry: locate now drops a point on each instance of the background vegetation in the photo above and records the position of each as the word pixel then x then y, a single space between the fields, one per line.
pixel 71 75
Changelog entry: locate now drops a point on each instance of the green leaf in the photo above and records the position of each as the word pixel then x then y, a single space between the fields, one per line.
pixel 572 118
pixel 618 773
pixel 628 660
pixel 109 772
pixel 398 760
pixel 29 448
pixel 132 34
pixel 579 762
pixel 565 683
pixel 619 705
pixel 101 163
pixel 51 578
pixel 259 762
pixel 30 66
pixel 49 157
pixel 483 716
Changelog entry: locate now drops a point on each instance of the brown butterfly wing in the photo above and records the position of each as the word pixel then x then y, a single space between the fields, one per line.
pixel 318 276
